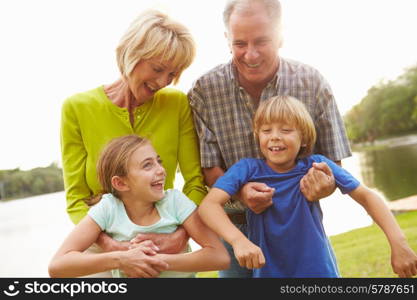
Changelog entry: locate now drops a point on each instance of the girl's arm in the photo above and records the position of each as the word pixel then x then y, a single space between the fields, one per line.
pixel 403 258
pixel 212 255
pixel 212 213
pixel 71 260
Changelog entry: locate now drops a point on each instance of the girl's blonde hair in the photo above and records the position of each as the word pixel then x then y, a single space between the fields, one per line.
pixel 287 109
pixel 154 34
pixel 114 160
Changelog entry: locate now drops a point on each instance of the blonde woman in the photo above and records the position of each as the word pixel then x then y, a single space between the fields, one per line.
pixel 135 201
pixel 152 54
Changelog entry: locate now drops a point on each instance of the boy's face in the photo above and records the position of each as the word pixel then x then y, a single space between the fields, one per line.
pixel 146 175
pixel 280 144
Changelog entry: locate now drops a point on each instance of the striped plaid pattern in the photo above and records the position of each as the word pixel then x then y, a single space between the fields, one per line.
pixel 223 112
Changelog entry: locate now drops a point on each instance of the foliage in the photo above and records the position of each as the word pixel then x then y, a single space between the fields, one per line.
pixel 389 108
pixel 18 184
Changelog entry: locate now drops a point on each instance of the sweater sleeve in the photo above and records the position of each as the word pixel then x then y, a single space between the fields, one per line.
pixel 74 157
pixel 189 157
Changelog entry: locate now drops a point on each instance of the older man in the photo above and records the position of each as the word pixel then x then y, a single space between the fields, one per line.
pixel 225 98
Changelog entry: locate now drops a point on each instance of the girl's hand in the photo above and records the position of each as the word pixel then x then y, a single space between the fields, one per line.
pixel 404 261
pixel 248 254
pixel 136 263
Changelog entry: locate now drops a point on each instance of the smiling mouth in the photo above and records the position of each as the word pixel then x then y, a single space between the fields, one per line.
pixel 158 184
pixel 276 148
pixel 153 89
pixel 253 66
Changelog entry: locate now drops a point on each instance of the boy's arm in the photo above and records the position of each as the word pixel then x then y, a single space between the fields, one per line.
pixel 212 213
pixel 403 258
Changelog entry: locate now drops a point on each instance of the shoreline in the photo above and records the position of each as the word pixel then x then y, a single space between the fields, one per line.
pixel 403 205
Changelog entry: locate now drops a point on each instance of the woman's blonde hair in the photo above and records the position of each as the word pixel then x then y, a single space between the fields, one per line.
pixel 114 160
pixel 287 109
pixel 154 34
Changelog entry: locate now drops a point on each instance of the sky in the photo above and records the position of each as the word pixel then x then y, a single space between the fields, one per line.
pixel 52 49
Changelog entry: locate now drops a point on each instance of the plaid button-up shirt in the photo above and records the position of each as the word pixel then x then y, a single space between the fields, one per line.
pixel 223 112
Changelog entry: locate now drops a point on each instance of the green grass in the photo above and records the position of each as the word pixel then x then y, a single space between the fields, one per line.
pixel 365 252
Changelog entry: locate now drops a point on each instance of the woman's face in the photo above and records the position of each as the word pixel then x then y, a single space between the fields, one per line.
pixel 149 76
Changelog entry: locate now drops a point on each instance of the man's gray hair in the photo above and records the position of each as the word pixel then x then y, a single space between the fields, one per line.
pixel 273 7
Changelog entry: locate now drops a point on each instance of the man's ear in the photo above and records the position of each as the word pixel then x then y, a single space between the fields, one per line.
pixel 119 184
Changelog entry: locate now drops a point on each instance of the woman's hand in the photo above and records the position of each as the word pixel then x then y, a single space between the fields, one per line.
pixel 168 243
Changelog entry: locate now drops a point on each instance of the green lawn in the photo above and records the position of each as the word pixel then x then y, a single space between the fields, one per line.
pixel 365 252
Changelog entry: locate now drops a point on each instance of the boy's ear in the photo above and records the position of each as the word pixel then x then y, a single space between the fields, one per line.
pixel 119 184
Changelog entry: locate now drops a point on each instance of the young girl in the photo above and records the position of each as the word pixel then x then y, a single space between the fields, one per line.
pixel 133 178
pixel 290 234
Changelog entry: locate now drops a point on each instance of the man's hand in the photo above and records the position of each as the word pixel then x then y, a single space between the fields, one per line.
pixel 168 243
pixel 256 196
pixel 318 183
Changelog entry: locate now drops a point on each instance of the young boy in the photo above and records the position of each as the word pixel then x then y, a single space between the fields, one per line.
pixel 288 239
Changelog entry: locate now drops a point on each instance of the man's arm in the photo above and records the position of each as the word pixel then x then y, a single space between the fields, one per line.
pixel 255 195
pixel 211 175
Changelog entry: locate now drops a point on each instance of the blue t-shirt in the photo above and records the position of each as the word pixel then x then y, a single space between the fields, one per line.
pixel 290 232
pixel 110 214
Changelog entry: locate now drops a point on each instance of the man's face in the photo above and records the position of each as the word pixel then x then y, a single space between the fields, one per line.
pixel 254 43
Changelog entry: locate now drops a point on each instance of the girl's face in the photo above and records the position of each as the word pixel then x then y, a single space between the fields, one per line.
pixel 146 175
pixel 280 144
pixel 149 76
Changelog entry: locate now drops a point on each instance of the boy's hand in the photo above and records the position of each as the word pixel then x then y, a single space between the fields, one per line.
pixel 404 261
pixel 318 183
pixel 248 254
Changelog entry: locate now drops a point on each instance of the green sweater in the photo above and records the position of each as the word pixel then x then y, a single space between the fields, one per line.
pixel 90 120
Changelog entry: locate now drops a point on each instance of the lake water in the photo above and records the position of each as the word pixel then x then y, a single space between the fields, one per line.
pixel 392 170
pixel 31 229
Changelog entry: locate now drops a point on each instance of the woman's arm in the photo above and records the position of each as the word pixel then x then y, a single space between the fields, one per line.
pixel 189 156
pixel 74 156
pixel 212 255
pixel 71 260
pixel 403 258
pixel 212 213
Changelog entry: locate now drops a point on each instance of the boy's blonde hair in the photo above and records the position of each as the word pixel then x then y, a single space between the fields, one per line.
pixel 154 34
pixel 287 109
pixel 114 160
